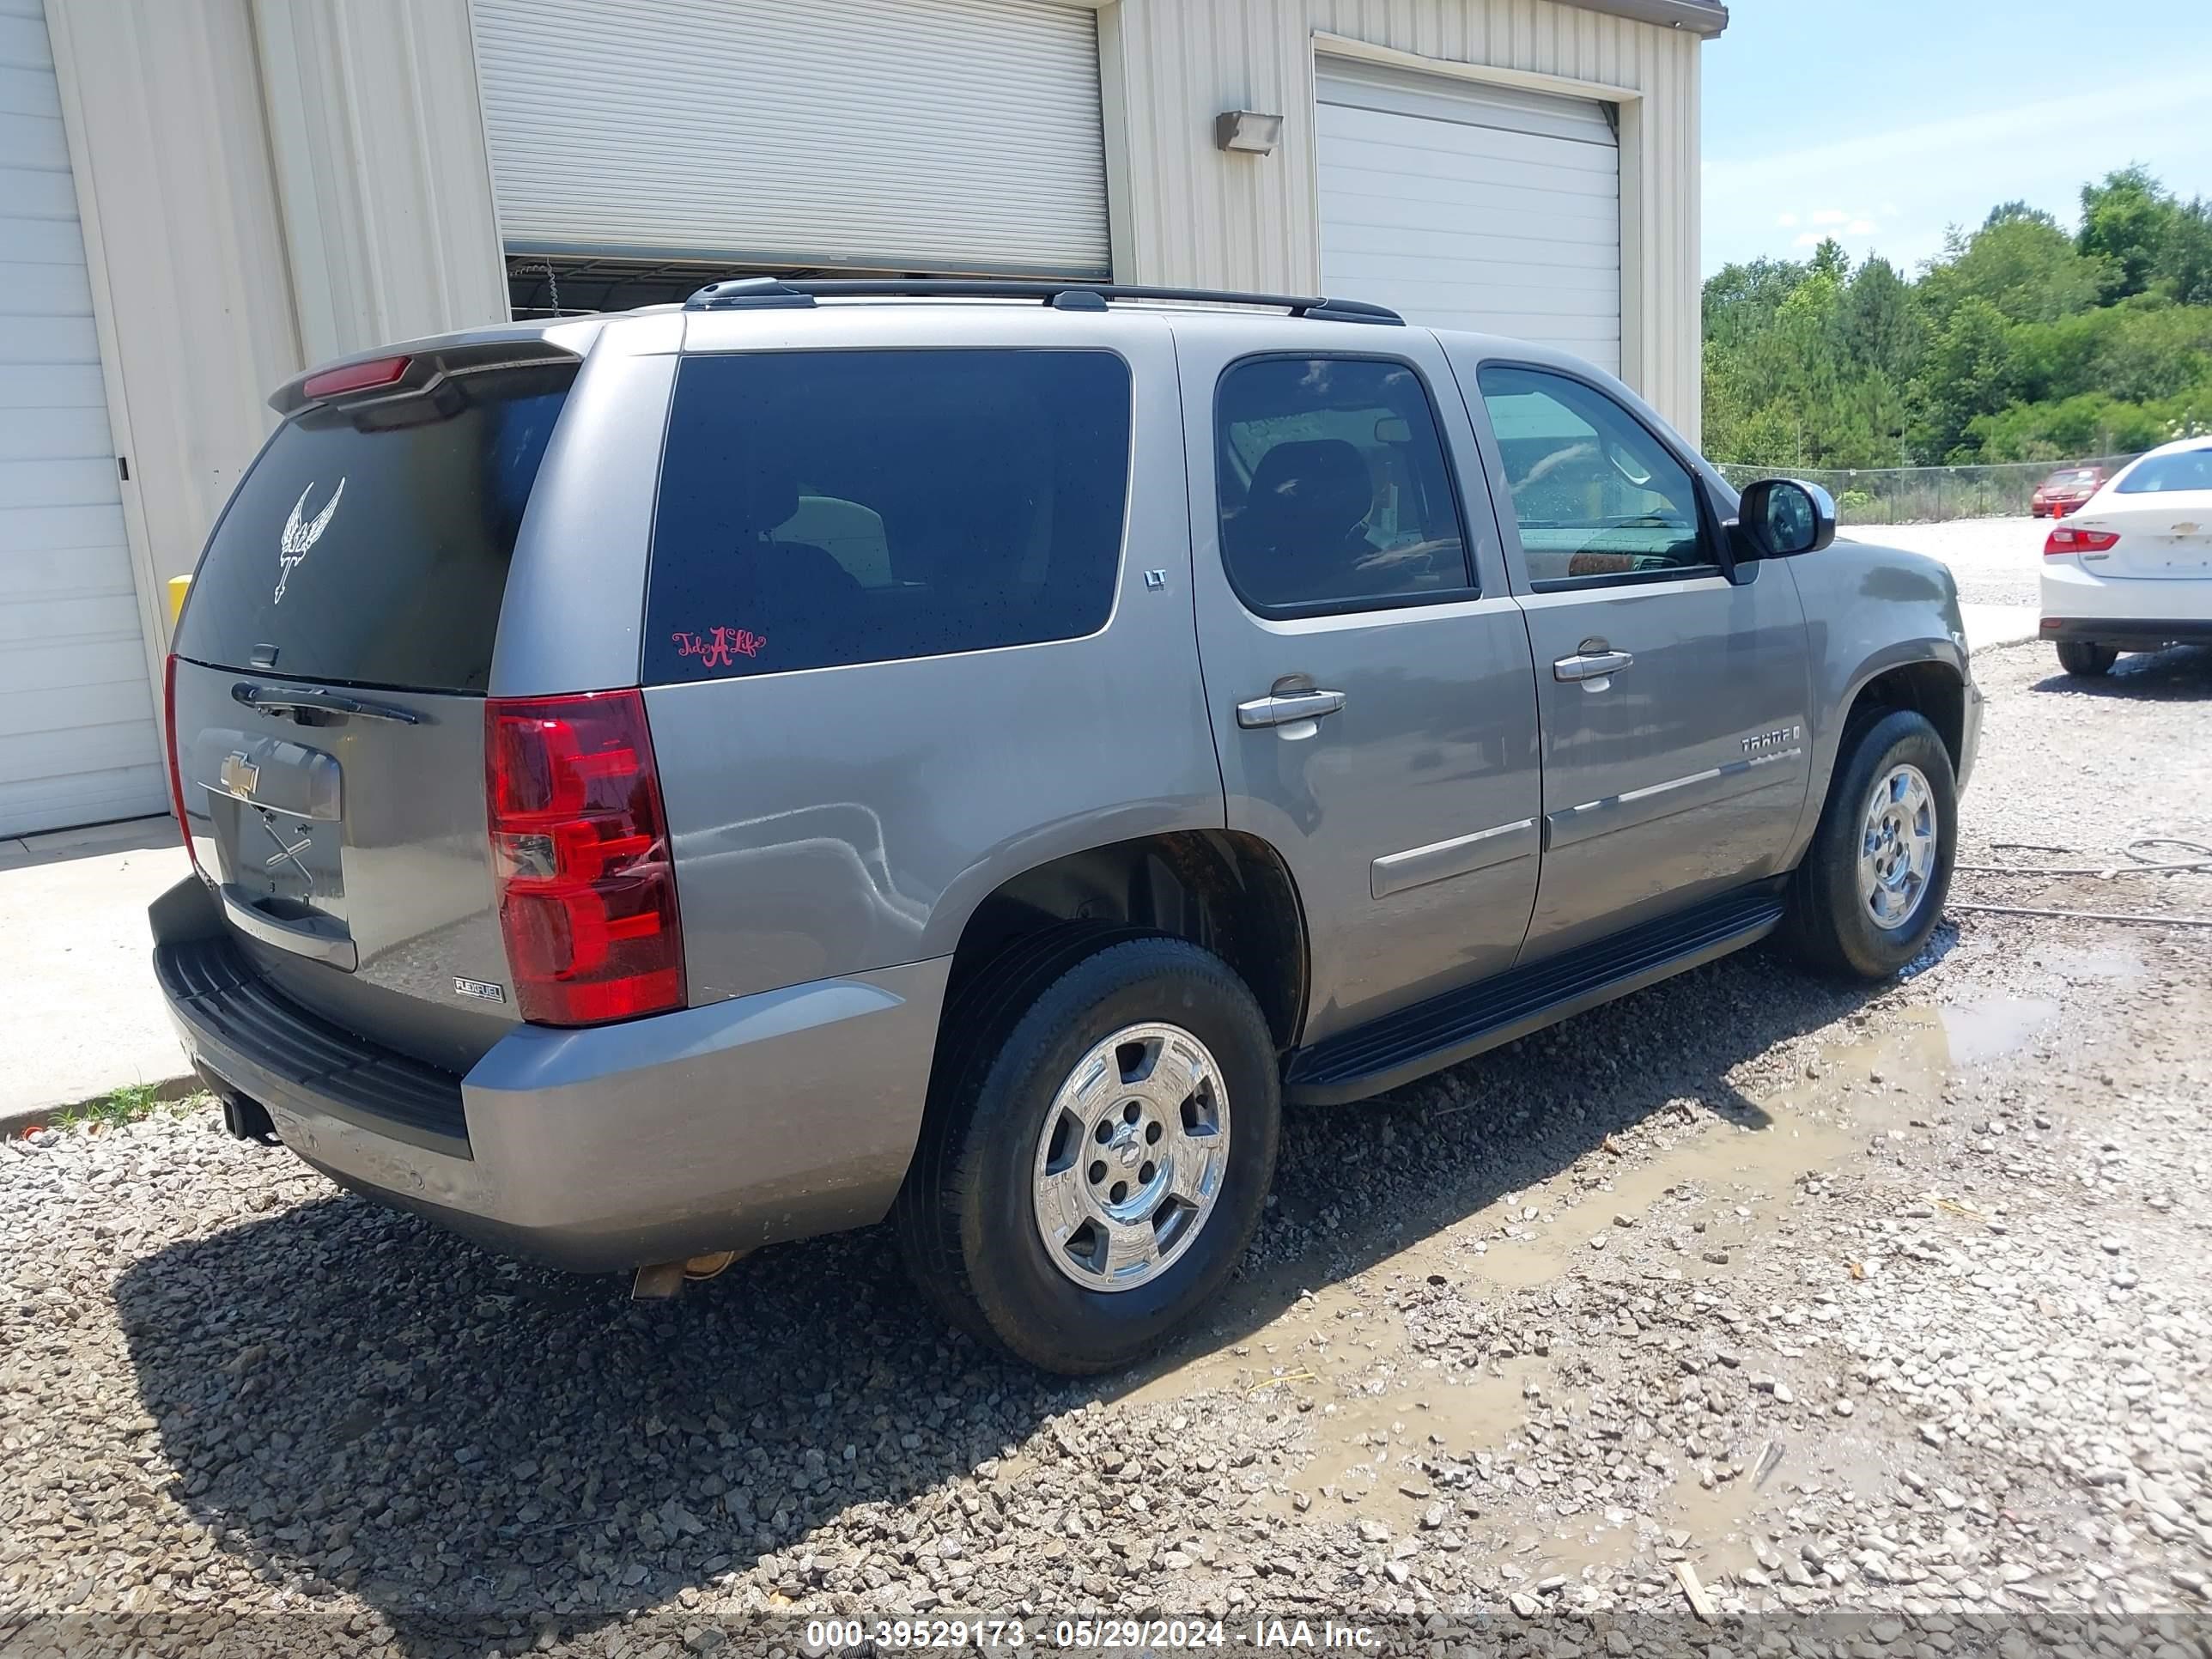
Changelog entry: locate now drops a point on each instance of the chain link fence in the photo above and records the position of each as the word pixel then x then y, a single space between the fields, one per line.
pixel 1924 495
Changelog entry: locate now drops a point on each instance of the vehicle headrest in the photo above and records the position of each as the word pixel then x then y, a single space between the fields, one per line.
pixel 1318 487
pixel 764 493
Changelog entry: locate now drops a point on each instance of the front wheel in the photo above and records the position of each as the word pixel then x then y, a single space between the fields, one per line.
pixel 1095 1159
pixel 2081 657
pixel 1870 890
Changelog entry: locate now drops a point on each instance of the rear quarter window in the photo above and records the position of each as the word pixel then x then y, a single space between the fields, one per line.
pixel 369 542
pixel 819 508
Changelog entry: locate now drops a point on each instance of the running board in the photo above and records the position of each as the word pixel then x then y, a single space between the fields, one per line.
pixel 1462 1023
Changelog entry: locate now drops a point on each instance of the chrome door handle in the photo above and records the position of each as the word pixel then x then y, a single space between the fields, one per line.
pixel 1286 708
pixel 1594 666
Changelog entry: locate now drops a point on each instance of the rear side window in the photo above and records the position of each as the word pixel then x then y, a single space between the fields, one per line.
pixel 369 542
pixel 1335 493
pixel 825 507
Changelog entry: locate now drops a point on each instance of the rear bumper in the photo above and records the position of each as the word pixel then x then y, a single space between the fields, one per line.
pixel 2127 633
pixel 739 1123
pixel 2080 602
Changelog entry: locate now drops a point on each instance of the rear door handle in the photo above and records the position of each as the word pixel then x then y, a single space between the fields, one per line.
pixel 1286 707
pixel 1594 666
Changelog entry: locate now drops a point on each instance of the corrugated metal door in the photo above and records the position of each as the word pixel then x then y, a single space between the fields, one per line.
pixel 1475 207
pixel 78 742
pixel 932 135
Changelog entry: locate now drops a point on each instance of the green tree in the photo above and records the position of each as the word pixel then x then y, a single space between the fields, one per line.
pixel 2029 270
pixel 2017 212
pixel 1882 325
pixel 1741 299
pixel 2125 223
pixel 1970 374
pixel 2021 342
pixel 2184 260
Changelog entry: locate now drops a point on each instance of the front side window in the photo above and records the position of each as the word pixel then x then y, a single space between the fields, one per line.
pixel 1334 489
pixel 1598 497
pixel 825 507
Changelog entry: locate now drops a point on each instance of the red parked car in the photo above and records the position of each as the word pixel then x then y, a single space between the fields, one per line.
pixel 2065 490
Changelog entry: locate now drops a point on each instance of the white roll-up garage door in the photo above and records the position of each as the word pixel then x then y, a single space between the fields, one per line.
pixel 932 135
pixel 1472 206
pixel 77 739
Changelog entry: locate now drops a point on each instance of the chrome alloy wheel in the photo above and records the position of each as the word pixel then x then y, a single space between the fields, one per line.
pixel 1897 847
pixel 1134 1150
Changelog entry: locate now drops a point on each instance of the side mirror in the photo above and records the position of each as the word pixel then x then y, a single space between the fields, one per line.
pixel 1782 517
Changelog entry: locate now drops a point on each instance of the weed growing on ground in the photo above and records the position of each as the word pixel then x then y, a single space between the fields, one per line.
pixel 119 1106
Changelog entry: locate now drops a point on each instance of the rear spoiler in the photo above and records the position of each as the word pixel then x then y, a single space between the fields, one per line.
pixel 408 370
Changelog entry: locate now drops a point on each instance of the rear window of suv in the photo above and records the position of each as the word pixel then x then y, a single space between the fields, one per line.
pixel 826 507
pixel 369 542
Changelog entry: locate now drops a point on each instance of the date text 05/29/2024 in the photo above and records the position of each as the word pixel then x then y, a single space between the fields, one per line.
pixel 833 1634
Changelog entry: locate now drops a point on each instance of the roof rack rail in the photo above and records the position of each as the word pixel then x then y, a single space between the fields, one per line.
pixel 768 293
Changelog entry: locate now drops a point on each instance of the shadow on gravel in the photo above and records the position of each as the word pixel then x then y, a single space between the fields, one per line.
pixel 354 1397
pixel 2179 673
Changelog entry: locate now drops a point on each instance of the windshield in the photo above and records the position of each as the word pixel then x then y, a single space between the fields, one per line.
pixel 369 544
pixel 2157 475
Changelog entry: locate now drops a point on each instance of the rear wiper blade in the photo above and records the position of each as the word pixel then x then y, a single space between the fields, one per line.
pixel 304 699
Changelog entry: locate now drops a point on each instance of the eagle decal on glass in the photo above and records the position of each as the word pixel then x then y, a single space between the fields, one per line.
pixel 298 538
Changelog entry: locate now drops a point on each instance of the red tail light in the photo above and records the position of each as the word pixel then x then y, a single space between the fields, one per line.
pixel 2066 540
pixel 355 377
pixel 580 850
pixel 176 774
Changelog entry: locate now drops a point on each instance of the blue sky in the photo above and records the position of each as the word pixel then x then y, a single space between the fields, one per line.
pixel 1882 122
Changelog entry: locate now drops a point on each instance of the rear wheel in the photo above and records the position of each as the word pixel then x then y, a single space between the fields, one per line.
pixel 2081 657
pixel 1870 890
pixel 1095 1155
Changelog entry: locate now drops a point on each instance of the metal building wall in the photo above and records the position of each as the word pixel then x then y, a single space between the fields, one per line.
pixel 1184 211
pixel 190 295
pixel 378 142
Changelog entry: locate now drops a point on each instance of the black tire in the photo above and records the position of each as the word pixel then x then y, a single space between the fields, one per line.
pixel 965 1217
pixel 2081 657
pixel 1828 923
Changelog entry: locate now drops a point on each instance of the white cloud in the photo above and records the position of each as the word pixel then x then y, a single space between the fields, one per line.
pixel 1811 239
pixel 1860 228
pixel 1787 219
pixel 2034 148
pixel 1911 146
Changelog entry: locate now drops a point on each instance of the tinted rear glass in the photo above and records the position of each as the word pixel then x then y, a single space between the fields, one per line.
pixel 369 544
pixel 2160 475
pixel 822 507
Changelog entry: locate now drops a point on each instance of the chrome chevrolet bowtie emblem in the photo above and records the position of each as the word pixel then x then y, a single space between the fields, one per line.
pixel 298 538
pixel 239 776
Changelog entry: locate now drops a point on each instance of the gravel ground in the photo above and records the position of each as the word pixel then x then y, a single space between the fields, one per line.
pixel 1881 1317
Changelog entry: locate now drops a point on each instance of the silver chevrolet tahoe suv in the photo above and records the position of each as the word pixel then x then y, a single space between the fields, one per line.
pixel 665 783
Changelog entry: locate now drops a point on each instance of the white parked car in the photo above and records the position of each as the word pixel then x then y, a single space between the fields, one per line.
pixel 2131 569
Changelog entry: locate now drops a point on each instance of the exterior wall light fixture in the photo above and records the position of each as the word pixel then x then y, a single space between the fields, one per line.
pixel 1248 129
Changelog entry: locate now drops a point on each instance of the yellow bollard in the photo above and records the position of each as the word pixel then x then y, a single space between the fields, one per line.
pixel 177 586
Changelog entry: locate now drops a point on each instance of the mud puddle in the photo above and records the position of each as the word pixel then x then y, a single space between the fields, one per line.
pixel 1377 1409
pixel 1980 1031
